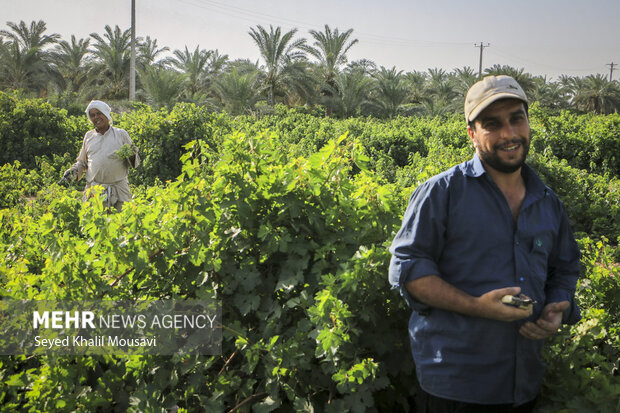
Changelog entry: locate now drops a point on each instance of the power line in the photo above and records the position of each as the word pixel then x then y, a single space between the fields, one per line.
pixel 611 69
pixel 249 15
pixel 481 46
pixel 253 16
pixel 520 61
pixel 132 59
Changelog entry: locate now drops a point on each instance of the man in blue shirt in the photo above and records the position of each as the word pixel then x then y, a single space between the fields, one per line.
pixel 482 230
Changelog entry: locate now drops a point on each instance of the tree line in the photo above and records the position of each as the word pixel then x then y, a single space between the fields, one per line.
pixel 292 70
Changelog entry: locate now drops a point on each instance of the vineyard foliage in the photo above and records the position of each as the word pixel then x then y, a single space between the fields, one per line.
pixel 286 220
pixel 30 128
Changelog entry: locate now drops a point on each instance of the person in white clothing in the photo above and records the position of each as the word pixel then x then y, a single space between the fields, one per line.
pixel 99 161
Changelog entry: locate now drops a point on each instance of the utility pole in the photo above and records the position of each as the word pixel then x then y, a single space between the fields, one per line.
pixel 611 69
pixel 132 61
pixel 481 46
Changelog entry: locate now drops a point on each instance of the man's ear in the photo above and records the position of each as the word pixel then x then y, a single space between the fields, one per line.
pixel 471 132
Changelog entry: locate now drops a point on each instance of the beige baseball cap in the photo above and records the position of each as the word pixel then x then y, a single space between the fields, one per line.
pixel 487 91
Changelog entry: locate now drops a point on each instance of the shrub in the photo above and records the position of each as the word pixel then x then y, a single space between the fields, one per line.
pixel 583 361
pixel 589 142
pixel 31 128
pixel 592 201
pixel 161 135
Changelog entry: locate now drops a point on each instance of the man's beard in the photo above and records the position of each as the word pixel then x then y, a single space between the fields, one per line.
pixel 492 158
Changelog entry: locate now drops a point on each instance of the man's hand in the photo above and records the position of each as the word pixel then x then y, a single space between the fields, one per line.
pixel 69 175
pixel 491 306
pixel 548 324
pixel 434 291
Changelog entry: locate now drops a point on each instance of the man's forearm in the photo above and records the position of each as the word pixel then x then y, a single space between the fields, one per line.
pixel 435 292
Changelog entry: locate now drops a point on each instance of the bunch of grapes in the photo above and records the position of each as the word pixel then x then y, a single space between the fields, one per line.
pixel 125 152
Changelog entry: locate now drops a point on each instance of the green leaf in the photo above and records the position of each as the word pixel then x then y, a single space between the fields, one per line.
pixel 16 380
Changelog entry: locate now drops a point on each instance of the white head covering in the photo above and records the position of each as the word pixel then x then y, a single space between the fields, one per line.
pixel 102 107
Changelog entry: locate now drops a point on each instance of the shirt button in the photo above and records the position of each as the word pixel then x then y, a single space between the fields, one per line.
pixel 521 279
pixel 516 242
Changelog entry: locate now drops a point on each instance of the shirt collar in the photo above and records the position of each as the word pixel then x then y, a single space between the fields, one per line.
pixel 104 133
pixel 474 167
pixel 533 184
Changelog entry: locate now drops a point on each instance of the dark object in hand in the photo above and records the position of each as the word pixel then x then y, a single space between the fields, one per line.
pixel 67 177
pixel 519 302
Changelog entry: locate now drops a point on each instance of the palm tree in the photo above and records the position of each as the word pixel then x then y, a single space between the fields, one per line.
pixel 550 95
pixel 112 53
pixel 242 66
pixel 237 89
pixel 448 97
pixel 437 77
pixel 416 84
pixel 194 66
pixel 353 87
pixel 390 91
pixel 330 49
pixel 71 64
pixel 149 52
pixel 217 63
pixel 441 89
pixel 21 68
pixel 283 58
pixel 366 66
pixel 25 60
pixel 523 78
pixel 299 86
pixel 595 93
pixel 29 37
pixel 464 78
pixel 432 107
pixel 568 83
pixel 162 87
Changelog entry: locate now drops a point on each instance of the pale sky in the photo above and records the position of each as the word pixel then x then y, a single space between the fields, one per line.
pixel 545 37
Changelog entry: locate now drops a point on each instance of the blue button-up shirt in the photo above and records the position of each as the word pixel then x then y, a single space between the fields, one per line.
pixel 459 226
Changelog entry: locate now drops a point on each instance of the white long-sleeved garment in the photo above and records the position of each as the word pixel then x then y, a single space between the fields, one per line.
pixel 102 165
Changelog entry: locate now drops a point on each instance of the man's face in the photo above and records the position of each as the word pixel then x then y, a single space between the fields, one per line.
pixel 99 120
pixel 501 135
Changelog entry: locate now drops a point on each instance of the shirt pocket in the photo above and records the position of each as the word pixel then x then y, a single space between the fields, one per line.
pixel 540 250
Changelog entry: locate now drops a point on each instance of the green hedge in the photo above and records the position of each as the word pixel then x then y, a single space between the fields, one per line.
pixel 592 201
pixel 161 135
pixel 31 128
pixel 589 142
pixel 294 249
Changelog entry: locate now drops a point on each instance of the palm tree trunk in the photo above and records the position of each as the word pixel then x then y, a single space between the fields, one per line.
pixel 270 98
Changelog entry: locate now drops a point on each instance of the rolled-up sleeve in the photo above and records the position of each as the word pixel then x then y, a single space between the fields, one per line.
pixel 418 245
pixel 563 270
